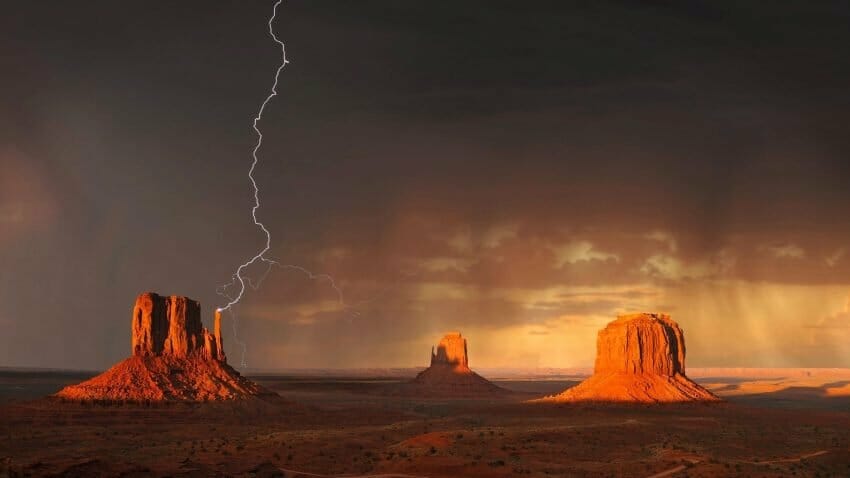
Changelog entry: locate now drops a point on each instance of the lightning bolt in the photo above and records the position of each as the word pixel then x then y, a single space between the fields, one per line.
pixel 239 277
pixel 260 256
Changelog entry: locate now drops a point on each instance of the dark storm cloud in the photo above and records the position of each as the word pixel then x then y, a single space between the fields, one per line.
pixel 478 164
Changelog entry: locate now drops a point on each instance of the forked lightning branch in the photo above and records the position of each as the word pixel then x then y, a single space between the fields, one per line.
pixel 240 280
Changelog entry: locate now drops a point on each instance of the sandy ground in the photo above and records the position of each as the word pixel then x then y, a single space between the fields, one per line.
pixel 773 424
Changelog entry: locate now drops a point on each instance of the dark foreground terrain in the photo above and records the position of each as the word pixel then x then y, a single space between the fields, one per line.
pixel 373 427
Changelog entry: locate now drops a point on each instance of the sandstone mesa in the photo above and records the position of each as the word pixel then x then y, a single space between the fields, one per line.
pixel 639 358
pixel 174 358
pixel 449 373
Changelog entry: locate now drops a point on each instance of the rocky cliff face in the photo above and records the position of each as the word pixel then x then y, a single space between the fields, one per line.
pixel 450 351
pixel 174 358
pixel 639 358
pixel 172 326
pixel 641 343
pixel 219 345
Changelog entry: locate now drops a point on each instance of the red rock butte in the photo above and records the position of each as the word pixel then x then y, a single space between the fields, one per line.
pixel 174 358
pixel 451 351
pixel 449 372
pixel 639 358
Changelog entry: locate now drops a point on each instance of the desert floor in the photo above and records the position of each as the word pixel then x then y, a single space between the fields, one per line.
pixel 774 423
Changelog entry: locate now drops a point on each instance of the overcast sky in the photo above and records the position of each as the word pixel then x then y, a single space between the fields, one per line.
pixel 519 172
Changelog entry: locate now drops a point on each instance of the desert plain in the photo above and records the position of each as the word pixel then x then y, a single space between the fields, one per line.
pixel 335 423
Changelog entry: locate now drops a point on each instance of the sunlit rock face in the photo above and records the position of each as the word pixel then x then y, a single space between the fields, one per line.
pixel 219 345
pixel 641 343
pixel 451 351
pixel 172 326
pixel 174 358
pixel 639 358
